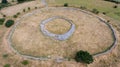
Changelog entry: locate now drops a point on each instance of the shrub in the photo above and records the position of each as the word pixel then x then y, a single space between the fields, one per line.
pixel 104 13
pixel 2 21
pixel 4 15
pixel 9 23
pixel 20 1
pixel 15 16
pixel 5 55
pixel 28 8
pixel 13 1
pixel 23 10
pixel 115 6
pixel 65 4
pixel 35 7
pixel 18 13
pixel 3 5
pixel 4 1
pixel 7 65
pixel 83 56
pixel 83 7
pixel 95 11
pixel 108 21
pixel 25 62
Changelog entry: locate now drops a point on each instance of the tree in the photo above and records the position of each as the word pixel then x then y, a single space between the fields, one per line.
pixel 9 23
pixel 65 4
pixel 20 1
pixel 83 56
pixel 4 1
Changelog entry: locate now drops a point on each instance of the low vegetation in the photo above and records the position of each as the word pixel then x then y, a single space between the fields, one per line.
pixel 15 16
pixel 7 65
pixel 65 4
pixel 4 1
pixel 2 21
pixel 3 5
pixel 95 11
pixel 83 7
pixel 24 10
pixel 25 62
pixel 5 55
pixel 116 1
pixel 21 1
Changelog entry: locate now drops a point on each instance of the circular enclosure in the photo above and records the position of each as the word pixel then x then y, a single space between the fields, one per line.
pixel 90 34
pixel 57 36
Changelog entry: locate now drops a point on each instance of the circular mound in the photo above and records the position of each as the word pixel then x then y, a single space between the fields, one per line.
pixel 57 36
pixel 90 34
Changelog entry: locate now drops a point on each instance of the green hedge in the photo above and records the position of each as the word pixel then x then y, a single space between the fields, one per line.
pixel 2 21
pixel 9 23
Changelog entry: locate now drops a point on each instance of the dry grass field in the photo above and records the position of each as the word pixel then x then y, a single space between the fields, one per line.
pixel 58 26
pixel 90 34
pixel 9 11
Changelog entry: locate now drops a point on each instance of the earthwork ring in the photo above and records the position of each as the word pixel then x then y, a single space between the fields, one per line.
pixel 57 36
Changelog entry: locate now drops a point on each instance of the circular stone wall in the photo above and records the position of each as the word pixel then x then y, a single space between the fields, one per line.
pixel 57 36
pixel 90 34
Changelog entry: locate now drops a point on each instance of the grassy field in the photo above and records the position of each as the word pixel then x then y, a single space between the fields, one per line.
pixel 101 5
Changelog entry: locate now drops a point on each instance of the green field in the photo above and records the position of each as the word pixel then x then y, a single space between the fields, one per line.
pixel 101 5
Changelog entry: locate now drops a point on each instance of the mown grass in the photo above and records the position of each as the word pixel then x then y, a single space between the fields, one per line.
pixel 100 5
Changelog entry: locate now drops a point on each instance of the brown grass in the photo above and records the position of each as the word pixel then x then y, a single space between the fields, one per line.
pixel 90 35
pixel 58 26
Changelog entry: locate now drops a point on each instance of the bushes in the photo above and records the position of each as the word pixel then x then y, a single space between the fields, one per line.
pixel 3 5
pixel 95 11
pixel 25 62
pixel 115 6
pixel 83 56
pixel 9 23
pixel 4 15
pixel 115 1
pixel 5 55
pixel 104 13
pixel 6 65
pixel 15 16
pixel 18 13
pixel 28 8
pixel 24 10
pixel 2 21
pixel 21 1
pixel 4 1
pixel 65 4
pixel 83 7
pixel 35 7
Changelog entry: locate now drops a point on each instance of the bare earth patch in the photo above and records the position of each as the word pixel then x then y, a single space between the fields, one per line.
pixel 90 34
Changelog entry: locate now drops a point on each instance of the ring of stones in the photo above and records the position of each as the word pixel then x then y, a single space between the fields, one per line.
pixel 57 36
